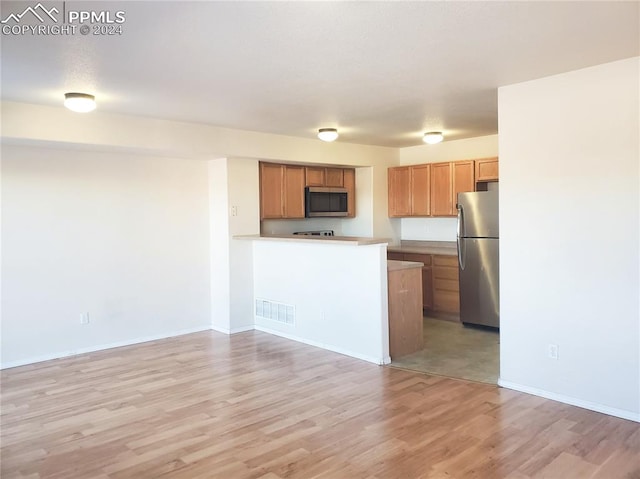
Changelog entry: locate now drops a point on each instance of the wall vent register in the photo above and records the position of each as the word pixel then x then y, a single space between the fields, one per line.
pixel 283 313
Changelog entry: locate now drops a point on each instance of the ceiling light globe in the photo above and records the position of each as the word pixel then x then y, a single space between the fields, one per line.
pixel 328 134
pixel 80 102
pixel 433 137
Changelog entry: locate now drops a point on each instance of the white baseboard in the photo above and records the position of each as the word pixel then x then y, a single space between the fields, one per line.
pixel 234 330
pixel 329 347
pixel 101 347
pixel 621 413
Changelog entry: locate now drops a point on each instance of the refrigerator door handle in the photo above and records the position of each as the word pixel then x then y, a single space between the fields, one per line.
pixel 460 237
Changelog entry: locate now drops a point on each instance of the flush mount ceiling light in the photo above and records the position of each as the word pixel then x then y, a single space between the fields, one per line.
pixel 328 134
pixel 433 137
pixel 80 102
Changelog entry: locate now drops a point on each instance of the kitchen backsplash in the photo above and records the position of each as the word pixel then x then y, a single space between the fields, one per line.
pixel 429 229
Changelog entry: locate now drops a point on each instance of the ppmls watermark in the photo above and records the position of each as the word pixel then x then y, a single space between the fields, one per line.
pixel 60 18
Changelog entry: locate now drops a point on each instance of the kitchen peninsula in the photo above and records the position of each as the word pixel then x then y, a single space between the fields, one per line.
pixel 329 292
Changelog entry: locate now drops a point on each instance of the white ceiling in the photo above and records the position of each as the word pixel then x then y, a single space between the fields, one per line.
pixel 381 72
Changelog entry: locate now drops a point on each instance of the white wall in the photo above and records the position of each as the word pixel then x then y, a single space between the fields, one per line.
pixel 120 236
pixel 340 308
pixel 442 229
pixel 234 210
pixel 429 229
pixel 244 197
pixel 569 245
pixel 468 149
pixel 219 244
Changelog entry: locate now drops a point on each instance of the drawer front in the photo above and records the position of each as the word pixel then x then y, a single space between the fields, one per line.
pixel 451 285
pixel 420 258
pixel 441 260
pixel 445 273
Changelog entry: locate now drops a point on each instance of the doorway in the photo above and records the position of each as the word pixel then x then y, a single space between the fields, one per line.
pixel 454 350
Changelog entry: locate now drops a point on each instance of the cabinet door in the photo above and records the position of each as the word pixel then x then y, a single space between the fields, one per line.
pixel 441 190
pixel 463 180
pixel 405 312
pixel 446 289
pixel 293 192
pixel 334 177
pixel 350 185
pixel 271 177
pixel 399 192
pixel 420 186
pixel 487 169
pixel 314 176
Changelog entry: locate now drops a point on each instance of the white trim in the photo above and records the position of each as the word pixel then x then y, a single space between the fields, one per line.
pixel 630 415
pixel 234 330
pixel 378 361
pixel 101 347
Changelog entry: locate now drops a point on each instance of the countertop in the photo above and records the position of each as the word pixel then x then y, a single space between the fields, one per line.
pixel 393 265
pixel 346 240
pixel 447 248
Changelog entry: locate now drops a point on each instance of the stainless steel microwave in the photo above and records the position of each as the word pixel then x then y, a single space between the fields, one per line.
pixel 324 201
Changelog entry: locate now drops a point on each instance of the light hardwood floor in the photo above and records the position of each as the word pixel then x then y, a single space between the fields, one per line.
pixel 254 405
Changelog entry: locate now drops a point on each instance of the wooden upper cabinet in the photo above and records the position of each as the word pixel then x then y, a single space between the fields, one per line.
pixel 334 177
pixel 447 180
pixel 281 191
pixel 293 192
pixel 314 176
pixel 463 180
pixel 409 190
pixel 320 176
pixel 271 190
pixel 349 178
pixel 419 188
pixel 487 169
pixel 399 196
pixel 441 189
pixel 430 189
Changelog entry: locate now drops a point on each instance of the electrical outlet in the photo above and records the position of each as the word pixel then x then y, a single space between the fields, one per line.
pixel 553 351
pixel 84 318
pixel 234 211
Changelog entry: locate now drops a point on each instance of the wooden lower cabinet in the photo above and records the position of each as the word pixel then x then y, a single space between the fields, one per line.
pixel 440 288
pixel 446 288
pixel 427 277
pixel 405 312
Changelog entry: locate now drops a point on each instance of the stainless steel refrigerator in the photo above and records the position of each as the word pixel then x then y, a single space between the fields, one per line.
pixel 478 257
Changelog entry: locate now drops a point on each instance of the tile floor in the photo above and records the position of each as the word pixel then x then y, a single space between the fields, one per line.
pixel 457 351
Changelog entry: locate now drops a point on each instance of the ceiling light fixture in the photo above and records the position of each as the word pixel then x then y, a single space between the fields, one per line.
pixel 328 134
pixel 80 102
pixel 433 137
